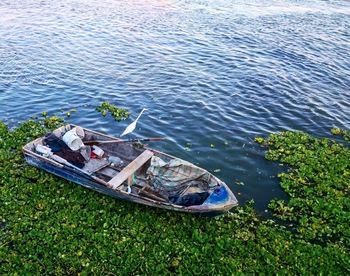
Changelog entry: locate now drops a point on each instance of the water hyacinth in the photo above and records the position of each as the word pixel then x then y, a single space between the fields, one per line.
pixel 318 183
pixel 117 113
pixel 52 226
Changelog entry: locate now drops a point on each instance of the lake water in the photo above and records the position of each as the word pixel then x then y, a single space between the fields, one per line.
pixel 213 74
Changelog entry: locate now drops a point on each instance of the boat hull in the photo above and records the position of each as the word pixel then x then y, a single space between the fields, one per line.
pixel 212 207
pixel 88 182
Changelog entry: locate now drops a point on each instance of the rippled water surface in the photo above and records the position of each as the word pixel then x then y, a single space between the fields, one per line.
pixel 213 74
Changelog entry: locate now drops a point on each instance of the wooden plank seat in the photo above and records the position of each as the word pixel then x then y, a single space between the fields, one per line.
pixel 130 169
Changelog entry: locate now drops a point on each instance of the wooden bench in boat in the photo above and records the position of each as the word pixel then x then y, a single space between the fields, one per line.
pixel 130 169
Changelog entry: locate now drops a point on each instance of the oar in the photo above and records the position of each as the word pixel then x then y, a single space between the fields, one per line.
pixel 132 126
pixel 123 141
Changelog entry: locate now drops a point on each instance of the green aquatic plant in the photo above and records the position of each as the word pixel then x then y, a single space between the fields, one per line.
pixel 318 183
pixel 117 113
pixel 69 112
pixel 341 132
pixel 53 121
pixel 51 226
pixel 259 140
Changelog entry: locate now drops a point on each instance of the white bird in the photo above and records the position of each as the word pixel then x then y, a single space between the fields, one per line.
pixel 132 126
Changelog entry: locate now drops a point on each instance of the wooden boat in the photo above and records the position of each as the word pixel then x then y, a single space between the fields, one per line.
pixel 143 175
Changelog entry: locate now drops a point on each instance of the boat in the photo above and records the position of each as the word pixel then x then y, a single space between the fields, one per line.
pixel 133 172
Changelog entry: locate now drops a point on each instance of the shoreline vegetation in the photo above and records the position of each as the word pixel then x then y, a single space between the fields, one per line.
pixel 51 226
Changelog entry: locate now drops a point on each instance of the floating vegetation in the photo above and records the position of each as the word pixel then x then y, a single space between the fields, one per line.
pixel 51 226
pixel 318 183
pixel 259 140
pixel 66 113
pixel 53 121
pixel 188 144
pixel 69 112
pixel 341 132
pixel 117 113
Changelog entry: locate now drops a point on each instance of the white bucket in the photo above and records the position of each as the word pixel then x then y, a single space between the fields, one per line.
pixel 79 131
pixel 72 140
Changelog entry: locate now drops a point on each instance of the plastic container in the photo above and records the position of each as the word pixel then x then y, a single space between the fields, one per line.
pixel 79 131
pixel 45 151
pixel 72 140
pixel 98 151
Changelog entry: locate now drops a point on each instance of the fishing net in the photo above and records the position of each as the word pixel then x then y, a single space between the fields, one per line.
pixel 177 175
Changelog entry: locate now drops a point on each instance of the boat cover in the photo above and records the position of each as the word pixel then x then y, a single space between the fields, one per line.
pixel 177 175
